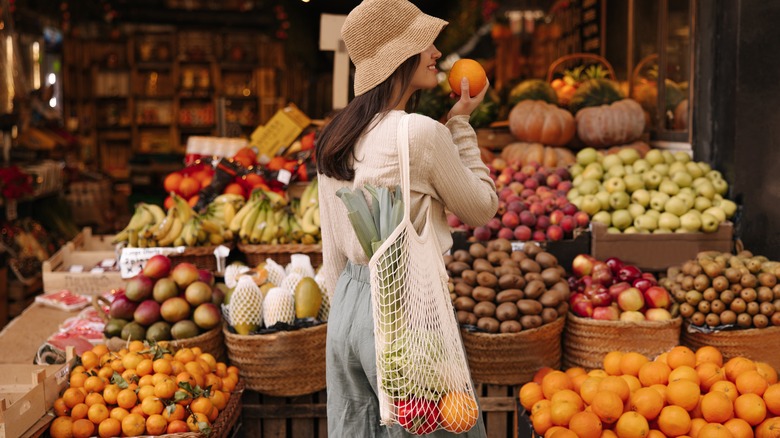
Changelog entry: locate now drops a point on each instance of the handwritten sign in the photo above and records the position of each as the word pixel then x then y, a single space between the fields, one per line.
pixel 132 260
pixel 283 128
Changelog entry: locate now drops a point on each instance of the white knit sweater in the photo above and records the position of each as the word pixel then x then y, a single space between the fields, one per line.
pixel 445 170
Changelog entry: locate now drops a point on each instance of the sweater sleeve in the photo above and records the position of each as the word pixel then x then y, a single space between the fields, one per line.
pixel 456 171
pixel 333 259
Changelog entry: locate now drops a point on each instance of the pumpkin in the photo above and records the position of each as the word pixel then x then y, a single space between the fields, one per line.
pixel 609 125
pixel 639 145
pixel 594 92
pixel 532 89
pixel 536 121
pixel 526 153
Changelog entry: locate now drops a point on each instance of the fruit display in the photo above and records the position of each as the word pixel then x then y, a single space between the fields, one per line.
pixel 722 290
pixel 532 205
pixel 611 290
pixel 264 220
pixel 532 89
pixel 500 290
pixel 272 297
pixel 188 182
pixel 663 192
pixel 679 393
pixel 567 85
pixel 165 302
pixel 143 390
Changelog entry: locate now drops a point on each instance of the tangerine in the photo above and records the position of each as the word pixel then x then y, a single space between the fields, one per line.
pixel 165 389
pixel 133 425
pixel 177 426
pixel 541 420
pixel 77 379
pixel 126 398
pixel 72 397
pixel 219 399
pixel 94 398
pixel 174 412
pixel 61 427
pixel 632 425
pixel 118 413
pixel 172 181
pixel 60 409
pixel 674 421
pixel 83 428
pixel 90 360
pixel 472 71
pixel 97 413
pixel 684 372
pixel 156 424
pixel 110 427
pixel 586 425
pixel 151 406
pixel 197 421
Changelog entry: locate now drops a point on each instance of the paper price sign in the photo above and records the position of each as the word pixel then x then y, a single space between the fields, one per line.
pixel 132 260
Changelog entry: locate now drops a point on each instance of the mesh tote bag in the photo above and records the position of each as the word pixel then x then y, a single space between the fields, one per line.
pixel 423 377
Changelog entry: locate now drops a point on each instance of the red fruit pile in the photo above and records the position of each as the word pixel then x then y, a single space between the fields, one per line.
pixel 612 290
pixel 188 182
pixel 532 205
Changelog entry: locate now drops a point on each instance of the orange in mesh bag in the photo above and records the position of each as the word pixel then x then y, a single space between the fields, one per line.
pixel 422 373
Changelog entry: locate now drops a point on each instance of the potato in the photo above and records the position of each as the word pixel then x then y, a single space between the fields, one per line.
pixel 531 321
pixel 529 307
pixel 511 281
pixel 464 303
pixel 510 326
pixel 463 290
pixel 456 268
pixel 509 295
pixel 488 324
pixel 478 251
pixel 485 308
pixel 481 293
pixel 487 279
pixel 507 311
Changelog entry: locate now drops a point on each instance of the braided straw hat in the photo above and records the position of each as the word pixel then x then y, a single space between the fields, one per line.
pixel 381 34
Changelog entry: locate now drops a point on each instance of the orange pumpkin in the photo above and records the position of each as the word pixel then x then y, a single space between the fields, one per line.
pixel 537 121
pixel 548 156
pixel 609 125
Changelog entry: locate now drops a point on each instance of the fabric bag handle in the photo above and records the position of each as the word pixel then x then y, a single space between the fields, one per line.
pixel 403 162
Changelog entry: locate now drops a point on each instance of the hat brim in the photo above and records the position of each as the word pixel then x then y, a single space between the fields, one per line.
pixel 420 34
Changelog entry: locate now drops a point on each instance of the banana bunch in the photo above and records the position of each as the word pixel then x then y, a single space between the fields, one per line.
pixel 145 219
pixel 307 214
pixel 267 218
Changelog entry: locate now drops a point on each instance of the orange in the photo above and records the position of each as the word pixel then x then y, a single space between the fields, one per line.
pixel 654 372
pixel 575 371
pixel 79 411
pixel 541 404
pixel 715 430
pixel 126 398
pixel 751 382
pixel 563 433
pixel 60 409
pixel 569 396
pixel 77 379
pixel 212 362
pixel 189 187
pixel 751 408
pixel 661 389
pixel 772 398
pixel 739 428
pixel 768 371
pixel 716 407
pixel 554 430
pixel 147 380
pixel 736 366
pixel 709 373
pixel 606 433
pixel 110 427
pixel 578 380
pixel 696 425
pixel 172 181
pixel 727 388
pixel 655 434
pixel 530 393
pixel 83 428
pixel 93 399
pixel 612 362
pixel 647 402
pixel 632 425
pixel 608 406
pixel 97 413
pixel 151 406
pixel 683 393
pixel 118 413
pixel 472 71
pixel 541 420
pixel 174 412
pixel 61 427
pixel 165 389
pixel 616 385
pixel 674 421
pixel 156 424
pixel 597 373
pixel 662 358
pixel 90 360
pixel 219 399
pixel 585 425
pixel 162 366
pixel 133 425
pixel 458 410
pixel 144 367
pixel 679 356
pixel 631 362
pixel 684 372
pixel 198 420
pixel 769 428
pixel 72 397
pixel 632 381
pixel 145 392
pixel 561 412
pixel 696 412
pixel 709 354
pixel 555 381
pixel 177 426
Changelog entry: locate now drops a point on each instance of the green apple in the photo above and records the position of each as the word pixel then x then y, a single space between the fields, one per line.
pixel 619 200
pixel 588 187
pixel 714 174
pixel 721 186
pixel 690 222
pixel 718 212
pixel 729 207
pixel 675 206
pixel 573 194
pixel 682 157
pixel 603 197
pixel 631 230
pixel 669 221
pixel 576 169
pixel 682 230
pixel 646 222
pixel 694 169
pixel 682 178
pixel 668 157
pixel 658 201
pixel 662 231
pixel 636 210
pixel 676 167
pixel 615 184
pixel 629 170
pixel 652 179
pixel 621 219
pixel 709 223
pixel 662 168
pixel 655 213
pixel 699 181
pixel 633 182
pixel 593 171
pixel 616 171
pixel 629 155
pixel 602 217
pixel 701 203
pixel 706 189
pixel 669 187
pixel 687 198
pixel 590 204
pixel 577 180
pixel 611 160
pixel 654 156
pixel 613 230
pixel 587 156
pixel 641 197
pixel 641 166
pixel 577 202
pixel 705 167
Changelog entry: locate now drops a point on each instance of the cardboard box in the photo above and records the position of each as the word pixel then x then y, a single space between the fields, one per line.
pixel 657 252
pixel 78 271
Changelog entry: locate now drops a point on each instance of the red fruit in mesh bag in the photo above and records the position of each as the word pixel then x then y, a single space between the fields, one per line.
pixel 418 416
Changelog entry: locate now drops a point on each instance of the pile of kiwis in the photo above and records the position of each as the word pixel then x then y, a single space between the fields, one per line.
pixel 726 290
pixel 499 290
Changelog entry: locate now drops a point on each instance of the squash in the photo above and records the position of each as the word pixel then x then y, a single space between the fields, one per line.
pixel 639 145
pixel 536 121
pixel 521 154
pixel 532 89
pixel 595 92
pixel 609 125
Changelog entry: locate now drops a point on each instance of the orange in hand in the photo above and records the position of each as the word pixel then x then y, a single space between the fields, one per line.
pixel 471 70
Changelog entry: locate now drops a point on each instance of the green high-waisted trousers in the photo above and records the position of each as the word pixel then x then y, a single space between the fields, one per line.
pixel 353 405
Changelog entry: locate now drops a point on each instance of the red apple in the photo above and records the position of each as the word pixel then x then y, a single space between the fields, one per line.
pixel 632 316
pixel 519 176
pixel 585 281
pixel 499 164
pixel 657 297
pixel 531 183
pixel 582 308
pixel 614 264
pixel 494 224
pixel 539 236
pixel 569 209
pixel 542 222
pixel 515 206
pixel 523 233
pixel 631 299
pixel 617 288
pixel 657 314
pixel 556 216
pixel 516 188
pixel 510 219
pixel 598 295
pixel 582 265
pixel 606 313
pixel 565 186
pixel 582 219
pixel 515 198
pixel 506 233
pixel 537 208
pixel 553 181
pixel 482 234
pixel 453 221
pixel 554 233
pixel 568 224
pixel 650 276
pixel 527 218
pixel 504 193
pixel 601 273
pixel 629 273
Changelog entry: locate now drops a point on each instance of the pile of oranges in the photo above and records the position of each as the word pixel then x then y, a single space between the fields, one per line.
pixel 681 393
pixel 142 390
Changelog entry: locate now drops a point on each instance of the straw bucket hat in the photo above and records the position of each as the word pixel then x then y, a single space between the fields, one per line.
pixel 381 34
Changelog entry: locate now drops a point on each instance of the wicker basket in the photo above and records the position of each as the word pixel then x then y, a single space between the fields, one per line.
pixel 513 358
pixel 224 423
pixel 256 254
pixel 586 341
pixel 755 344
pixel 580 58
pixel 281 364
pixel 212 342
pixel 201 256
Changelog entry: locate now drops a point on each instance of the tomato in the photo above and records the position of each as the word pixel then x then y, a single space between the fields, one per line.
pixel 418 416
pixel 307 141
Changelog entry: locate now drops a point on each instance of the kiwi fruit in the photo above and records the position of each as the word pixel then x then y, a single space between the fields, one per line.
pixel 485 309
pixel 466 318
pixel 463 290
pixel 500 245
pixel 532 249
pixel 529 265
pixel 509 262
pixel 551 298
pixel 531 276
pixel 511 281
pixel 478 250
pixel 487 279
pixel 551 276
pixel 482 265
pixel 775 319
pixel 546 260
pixel 562 308
pixel 506 311
pixel 534 289
pixel 456 268
pixel 518 256
pixel 509 295
pixel 488 324
pixel 549 315
pixel 529 307
pixel 495 257
pixel 562 286
pixel 531 321
pixel 464 303
pixel 481 293
pixel 510 326
pixel 469 276
pixel 776 291
pixel 462 255
pixel 507 269
pixel 448 259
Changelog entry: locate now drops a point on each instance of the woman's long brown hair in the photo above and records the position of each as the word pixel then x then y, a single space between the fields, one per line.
pixel 335 146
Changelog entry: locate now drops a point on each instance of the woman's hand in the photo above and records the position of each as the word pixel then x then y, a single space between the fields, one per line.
pixel 467 104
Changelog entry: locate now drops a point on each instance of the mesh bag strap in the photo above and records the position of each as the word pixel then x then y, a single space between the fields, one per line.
pixel 402 140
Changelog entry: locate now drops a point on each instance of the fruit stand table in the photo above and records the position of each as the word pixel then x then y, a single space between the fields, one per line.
pixel 20 339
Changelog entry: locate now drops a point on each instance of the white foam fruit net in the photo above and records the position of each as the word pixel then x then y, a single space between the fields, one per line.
pixel 325 306
pixel 276 272
pixel 291 281
pixel 233 272
pixel 300 264
pixel 279 305
pixel 246 303
pixel 423 375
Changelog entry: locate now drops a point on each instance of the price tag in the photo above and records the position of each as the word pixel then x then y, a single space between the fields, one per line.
pixel 517 245
pixel 284 176
pixel 76 269
pixel 108 263
pixel 132 260
pixel 97 270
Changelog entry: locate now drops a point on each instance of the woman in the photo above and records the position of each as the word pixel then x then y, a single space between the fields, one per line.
pixel 391 44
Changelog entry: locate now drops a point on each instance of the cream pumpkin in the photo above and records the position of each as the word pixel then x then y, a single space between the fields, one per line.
pixel 536 121
pixel 608 125
pixel 526 153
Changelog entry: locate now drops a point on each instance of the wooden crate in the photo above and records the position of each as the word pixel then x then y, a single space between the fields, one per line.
pixel 57 273
pixel 86 241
